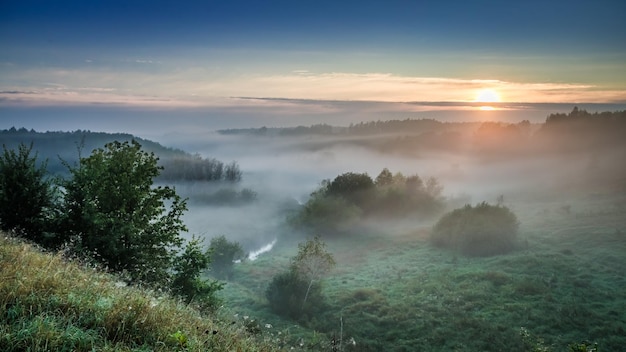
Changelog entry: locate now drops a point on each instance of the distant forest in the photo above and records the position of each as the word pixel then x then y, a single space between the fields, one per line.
pixel 578 130
pixel 66 147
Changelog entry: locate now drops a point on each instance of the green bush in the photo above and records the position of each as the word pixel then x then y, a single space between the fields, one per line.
pixel 297 292
pixel 286 293
pixel 223 255
pixel 186 279
pixel 482 230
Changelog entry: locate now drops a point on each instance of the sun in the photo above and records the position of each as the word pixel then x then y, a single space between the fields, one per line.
pixel 487 96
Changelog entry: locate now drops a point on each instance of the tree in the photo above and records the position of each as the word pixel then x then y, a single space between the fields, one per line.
pixel 297 293
pixel 187 282
pixel 232 172
pixel 384 178
pixel 354 187
pixel 312 262
pixel 223 255
pixel 115 213
pixel 26 195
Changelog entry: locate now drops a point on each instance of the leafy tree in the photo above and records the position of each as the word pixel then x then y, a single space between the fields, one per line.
pixel 297 293
pixel 114 212
pixel 26 195
pixel 384 178
pixel 223 255
pixel 482 230
pixel 353 187
pixel 312 262
pixel 187 282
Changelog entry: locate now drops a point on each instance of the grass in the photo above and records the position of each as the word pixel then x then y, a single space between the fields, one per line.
pixel 47 303
pixel 393 292
pixel 389 292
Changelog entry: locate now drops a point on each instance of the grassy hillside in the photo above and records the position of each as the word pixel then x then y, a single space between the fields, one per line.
pixel 49 304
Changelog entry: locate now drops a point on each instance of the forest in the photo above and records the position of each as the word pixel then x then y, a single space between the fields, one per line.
pixel 386 235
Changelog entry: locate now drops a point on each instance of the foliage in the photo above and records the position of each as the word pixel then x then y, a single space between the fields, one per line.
pixel 326 214
pixel 297 293
pixel 50 304
pixel 312 262
pixel 178 164
pixel 187 282
pixel 223 254
pixel 354 187
pixel 337 206
pixel 482 230
pixel 286 292
pixel 27 204
pixel 385 178
pixel 196 168
pixel 114 212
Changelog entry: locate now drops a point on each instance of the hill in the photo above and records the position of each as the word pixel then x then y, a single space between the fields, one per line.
pixel 67 147
pixel 49 303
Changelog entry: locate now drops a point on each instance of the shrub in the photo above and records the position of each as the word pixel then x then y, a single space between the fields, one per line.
pixel 187 282
pixel 482 230
pixel 223 255
pixel 286 293
pixel 297 292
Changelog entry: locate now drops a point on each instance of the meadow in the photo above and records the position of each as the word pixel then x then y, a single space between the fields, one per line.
pixel 564 284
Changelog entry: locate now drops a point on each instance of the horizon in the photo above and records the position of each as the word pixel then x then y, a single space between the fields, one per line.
pixel 243 64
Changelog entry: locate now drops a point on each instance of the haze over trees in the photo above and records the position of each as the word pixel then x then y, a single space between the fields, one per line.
pixel 65 147
pixel 338 205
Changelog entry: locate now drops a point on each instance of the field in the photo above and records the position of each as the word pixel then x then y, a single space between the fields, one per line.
pixel 394 292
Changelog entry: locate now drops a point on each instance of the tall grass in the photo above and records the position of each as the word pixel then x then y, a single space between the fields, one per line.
pixel 48 303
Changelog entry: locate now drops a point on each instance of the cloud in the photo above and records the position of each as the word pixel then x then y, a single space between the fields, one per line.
pixel 194 86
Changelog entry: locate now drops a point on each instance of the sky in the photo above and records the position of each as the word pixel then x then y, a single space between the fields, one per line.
pixel 236 61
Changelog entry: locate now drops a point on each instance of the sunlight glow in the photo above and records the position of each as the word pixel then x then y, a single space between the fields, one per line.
pixel 487 96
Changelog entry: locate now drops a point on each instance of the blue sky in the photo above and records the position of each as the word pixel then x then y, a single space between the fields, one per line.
pixel 207 54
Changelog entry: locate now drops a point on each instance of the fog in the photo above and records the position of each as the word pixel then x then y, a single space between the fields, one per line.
pixel 284 170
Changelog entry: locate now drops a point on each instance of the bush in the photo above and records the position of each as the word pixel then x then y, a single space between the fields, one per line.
pixel 482 230
pixel 286 293
pixel 223 255
pixel 186 280
pixel 297 293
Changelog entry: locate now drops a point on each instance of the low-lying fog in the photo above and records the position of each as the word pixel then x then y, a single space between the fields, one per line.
pixel 283 171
